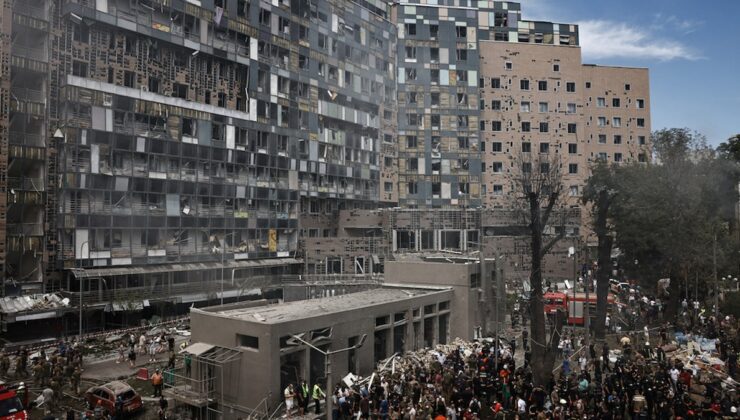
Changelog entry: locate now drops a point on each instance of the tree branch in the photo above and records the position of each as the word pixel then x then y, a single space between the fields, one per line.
pixel 548 246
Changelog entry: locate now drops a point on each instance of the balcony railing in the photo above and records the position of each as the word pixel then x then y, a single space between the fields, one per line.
pixel 25 229
pixel 24 8
pixel 28 95
pixel 26 184
pixel 27 139
pixel 34 53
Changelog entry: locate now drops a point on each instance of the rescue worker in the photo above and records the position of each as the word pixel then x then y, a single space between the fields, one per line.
pixel 317 395
pixel 76 375
pixel 4 364
pixel 38 372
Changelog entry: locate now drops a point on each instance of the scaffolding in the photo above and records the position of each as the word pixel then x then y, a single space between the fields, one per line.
pixel 209 388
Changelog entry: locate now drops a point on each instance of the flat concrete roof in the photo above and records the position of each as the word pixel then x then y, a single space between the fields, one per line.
pixel 292 311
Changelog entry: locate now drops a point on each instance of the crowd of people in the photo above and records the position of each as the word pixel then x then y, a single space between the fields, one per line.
pixel 635 380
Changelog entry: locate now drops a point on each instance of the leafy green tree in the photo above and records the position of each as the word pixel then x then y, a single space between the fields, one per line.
pixel 730 149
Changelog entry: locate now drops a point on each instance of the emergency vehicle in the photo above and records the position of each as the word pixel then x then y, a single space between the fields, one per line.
pixel 573 304
pixel 13 402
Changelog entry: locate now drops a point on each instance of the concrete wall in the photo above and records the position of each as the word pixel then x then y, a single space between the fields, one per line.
pixel 260 368
pixel 465 309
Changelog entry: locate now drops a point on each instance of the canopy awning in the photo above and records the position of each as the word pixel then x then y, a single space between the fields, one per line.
pixel 196 349
pixel 84 273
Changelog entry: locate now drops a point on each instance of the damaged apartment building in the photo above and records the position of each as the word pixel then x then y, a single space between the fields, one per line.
pixel 162 153
pixel 153 149
pixel 480 91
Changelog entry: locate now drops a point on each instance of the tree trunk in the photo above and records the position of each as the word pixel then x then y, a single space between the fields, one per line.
pixel 540 369
pixel 605 263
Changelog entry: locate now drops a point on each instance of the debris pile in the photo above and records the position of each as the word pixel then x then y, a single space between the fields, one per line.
pixel 14 304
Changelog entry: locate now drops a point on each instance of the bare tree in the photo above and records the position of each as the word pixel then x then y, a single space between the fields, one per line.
pixel 538 188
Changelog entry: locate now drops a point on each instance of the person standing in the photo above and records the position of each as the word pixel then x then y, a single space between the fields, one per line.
pixel 153 351
pixel 289 396
pixel 157 383
pixel 304 396
pixel 132 357
pixel 317 395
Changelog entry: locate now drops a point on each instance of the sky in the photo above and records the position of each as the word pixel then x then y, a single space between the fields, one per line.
pixel 692 49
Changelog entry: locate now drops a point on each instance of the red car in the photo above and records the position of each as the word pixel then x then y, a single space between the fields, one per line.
pixel 107 395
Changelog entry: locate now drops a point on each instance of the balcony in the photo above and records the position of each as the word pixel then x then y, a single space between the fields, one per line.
pixel 25 229
pixel 33 53
pixel 23 7
pixel 27 184
pixel 28 95
pixel 27 139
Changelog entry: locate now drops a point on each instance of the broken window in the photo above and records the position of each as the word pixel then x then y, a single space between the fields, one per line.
pixel 410 74
pixel 461 31
pixel 412 188
pixel 434 98
pixel 526 147
pixel 405 239
pixel 463 143
pixel 411 142
pixel 617 139
pixel 264 17
pixel 496 83
pixel 524 84
pixel 79 68
pixel 434 54
pixel 544 127
pixel 410 53
pixel 570 87
pixel 180 90
pixel 433 31
pixel 410 28
pixel 462 54
pixel 526 126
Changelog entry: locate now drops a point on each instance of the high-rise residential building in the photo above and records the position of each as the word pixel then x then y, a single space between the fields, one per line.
pixel 153 150
pixel 156 153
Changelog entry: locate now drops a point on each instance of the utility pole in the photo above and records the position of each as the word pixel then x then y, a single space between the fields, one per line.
pixel 327 368
pixel 716 280
pixel 587 306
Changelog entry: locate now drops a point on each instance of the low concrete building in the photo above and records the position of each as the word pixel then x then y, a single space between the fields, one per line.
pixel 395 319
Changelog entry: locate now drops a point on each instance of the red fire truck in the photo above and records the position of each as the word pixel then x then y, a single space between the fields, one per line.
pixel 573 304
pixel 13 402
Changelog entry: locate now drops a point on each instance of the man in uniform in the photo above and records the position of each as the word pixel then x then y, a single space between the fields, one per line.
pixel 76 375
pixel 318 395
pixel 38 371
pixel 4 364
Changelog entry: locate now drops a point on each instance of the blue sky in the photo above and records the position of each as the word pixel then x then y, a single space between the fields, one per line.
pixel 691 48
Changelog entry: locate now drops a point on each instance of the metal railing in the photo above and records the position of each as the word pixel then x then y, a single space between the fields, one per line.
pixel 28 95
pixel 25 229
pixel 34 53
pixel 25 8
pixel 210 287
pixel 27 139
pixel 24 183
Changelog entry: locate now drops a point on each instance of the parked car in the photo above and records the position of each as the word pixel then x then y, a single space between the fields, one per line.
pixel 108 393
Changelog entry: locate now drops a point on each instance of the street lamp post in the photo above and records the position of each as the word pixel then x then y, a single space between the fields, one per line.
pixel 327 367
pixel 82 245
pixel 223 254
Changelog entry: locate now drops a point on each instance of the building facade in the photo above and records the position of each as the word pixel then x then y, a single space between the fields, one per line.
pixel 168 151
pixel 145 137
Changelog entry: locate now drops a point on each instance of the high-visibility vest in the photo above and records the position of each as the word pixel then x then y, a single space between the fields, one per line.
pixel 317 392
